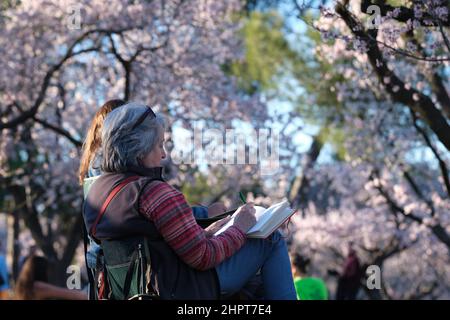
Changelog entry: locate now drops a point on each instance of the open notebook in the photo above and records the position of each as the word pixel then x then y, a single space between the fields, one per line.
pixel 267 220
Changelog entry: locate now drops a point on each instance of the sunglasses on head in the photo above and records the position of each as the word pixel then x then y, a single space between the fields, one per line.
pixel 144 115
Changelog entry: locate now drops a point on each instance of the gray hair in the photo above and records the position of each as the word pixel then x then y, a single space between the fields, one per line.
pixel 123 146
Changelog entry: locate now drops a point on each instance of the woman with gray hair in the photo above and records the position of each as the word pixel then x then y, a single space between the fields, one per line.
pixel 131 199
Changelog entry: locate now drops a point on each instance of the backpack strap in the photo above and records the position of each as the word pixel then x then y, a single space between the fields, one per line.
pixel 90 272
pixel 108 200
pixel 101 278
pixel 129 276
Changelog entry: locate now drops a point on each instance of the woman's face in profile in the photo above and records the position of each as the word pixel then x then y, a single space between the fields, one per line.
pixel 153 159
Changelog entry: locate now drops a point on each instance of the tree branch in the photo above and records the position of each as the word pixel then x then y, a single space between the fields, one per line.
pixel 418 192
pixel 31 220
pixel 74 237
pixel 77 143
pixel 408 54
pixel 405 13
pixel 126 64
pixel 438 230
pixel 441 93
pixel 444 37
pixel 436 80
pixel 300 184
pixel 412 98
pixel 392 204
pixel 52 70
pixel 442 164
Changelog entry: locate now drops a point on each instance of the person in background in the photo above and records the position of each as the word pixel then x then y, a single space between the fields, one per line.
pixel 307 288
pixel 350 279
pixel 89 162
pixel 4 277
pixel 32 283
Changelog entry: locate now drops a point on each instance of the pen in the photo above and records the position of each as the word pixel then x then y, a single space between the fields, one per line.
pixel 242 197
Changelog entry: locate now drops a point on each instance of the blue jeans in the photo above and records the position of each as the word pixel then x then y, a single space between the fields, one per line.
pixel 91 256
pixel 271 256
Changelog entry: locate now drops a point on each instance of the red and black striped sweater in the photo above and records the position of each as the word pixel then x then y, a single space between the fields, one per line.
pixel 167 208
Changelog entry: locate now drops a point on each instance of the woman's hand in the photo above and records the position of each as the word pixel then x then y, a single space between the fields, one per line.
pixel 215 209
pixel 245 217
pixel 214 227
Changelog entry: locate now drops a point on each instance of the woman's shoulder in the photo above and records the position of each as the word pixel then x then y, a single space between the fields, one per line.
pixel 159 187
pixel 157 193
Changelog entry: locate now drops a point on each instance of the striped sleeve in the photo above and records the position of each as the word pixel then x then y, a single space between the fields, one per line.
pixel 167 208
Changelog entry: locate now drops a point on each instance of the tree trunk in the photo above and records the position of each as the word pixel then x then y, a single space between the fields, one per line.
pixel 13 247
pixel 297 192
pixel 73 241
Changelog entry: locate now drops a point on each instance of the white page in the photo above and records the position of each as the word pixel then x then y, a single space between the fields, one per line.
pixel 262 216
pixel 280 213
pixel 226 226
pixel 258 209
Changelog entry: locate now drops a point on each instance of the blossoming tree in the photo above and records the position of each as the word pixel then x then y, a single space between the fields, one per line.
pixel 62 59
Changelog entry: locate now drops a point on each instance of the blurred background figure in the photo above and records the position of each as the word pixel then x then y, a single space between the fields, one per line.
pixel 32 283
pixel 4 277
pixel 350 279
pixel 25 253
pixel 307 287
